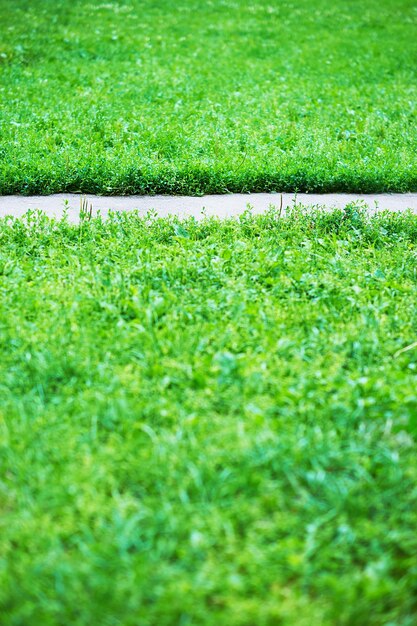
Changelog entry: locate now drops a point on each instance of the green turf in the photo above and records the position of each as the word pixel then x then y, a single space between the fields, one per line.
pixel 209 423
pixel 192 97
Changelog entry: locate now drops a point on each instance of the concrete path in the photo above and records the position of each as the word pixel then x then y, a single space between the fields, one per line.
pixel 218 205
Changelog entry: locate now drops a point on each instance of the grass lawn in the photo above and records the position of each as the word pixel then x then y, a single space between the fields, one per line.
pixel 209 423
pixel 217 96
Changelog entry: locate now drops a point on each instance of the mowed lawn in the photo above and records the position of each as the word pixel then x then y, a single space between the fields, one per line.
pixel 207 423
pixel 192 97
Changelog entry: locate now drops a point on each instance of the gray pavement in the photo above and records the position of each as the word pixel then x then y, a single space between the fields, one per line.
pixel 214 205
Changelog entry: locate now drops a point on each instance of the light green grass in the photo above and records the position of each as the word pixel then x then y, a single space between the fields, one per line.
pixel 209 423
pixel 192 97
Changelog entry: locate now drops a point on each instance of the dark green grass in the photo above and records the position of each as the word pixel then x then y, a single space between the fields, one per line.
pixel 209 423
pixel 192 97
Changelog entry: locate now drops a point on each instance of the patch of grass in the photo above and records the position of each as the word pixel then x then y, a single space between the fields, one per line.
pixel 208 422
pixel 191 97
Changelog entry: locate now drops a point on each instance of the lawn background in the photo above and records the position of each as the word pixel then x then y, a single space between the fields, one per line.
pixel 207 423
pixel 191 97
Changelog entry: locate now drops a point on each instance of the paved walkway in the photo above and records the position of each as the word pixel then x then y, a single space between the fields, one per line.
pixel 219 205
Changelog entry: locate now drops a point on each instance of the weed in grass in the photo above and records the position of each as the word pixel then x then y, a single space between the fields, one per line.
pixel 86 210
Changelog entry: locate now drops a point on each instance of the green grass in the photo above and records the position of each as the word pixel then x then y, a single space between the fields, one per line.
pixel 207 423
pixel 193 97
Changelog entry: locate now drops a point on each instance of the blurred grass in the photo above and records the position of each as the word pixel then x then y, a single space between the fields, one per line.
pixel 208 423
pixel 146 97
